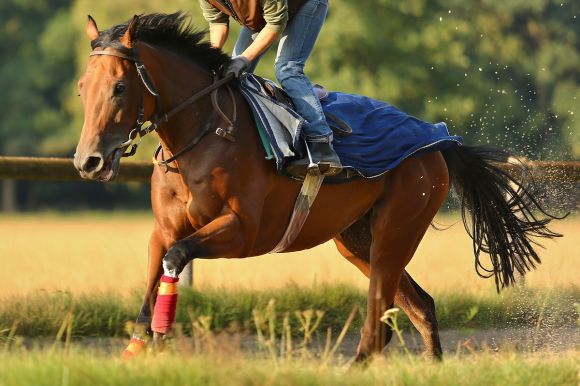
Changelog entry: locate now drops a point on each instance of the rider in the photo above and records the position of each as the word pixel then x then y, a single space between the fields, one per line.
pixel 297 23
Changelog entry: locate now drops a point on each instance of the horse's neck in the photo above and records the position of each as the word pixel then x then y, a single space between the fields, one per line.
pixel 176 79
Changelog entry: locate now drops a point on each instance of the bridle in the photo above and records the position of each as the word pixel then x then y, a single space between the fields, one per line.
pixel 144 126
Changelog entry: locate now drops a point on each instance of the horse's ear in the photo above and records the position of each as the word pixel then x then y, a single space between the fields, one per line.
pixel 92 30
pixel 127 38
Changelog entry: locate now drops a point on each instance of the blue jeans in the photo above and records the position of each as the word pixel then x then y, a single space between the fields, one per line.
pixel 296 43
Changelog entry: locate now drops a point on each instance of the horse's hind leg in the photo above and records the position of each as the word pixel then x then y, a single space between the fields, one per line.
pixel 354 245
pixel 413 194
pixel 420 308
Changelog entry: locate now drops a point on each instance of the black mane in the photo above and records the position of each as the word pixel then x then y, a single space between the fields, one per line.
pixel 172 31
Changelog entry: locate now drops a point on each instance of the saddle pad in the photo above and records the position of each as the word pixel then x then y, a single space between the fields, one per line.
pixel 382 135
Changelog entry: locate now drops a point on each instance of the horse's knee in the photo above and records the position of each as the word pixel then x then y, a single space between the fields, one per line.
pixel 175 260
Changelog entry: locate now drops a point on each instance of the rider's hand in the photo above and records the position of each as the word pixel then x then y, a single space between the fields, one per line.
pixel 238 66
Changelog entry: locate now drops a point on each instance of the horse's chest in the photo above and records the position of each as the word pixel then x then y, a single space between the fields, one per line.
pixel 204 204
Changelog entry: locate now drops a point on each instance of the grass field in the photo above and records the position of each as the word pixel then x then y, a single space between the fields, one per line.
pixel 108 252
pixel 86 368
pixel 106 314
pixel 79 278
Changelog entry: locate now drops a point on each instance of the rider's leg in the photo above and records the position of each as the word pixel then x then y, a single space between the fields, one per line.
pixel 295 46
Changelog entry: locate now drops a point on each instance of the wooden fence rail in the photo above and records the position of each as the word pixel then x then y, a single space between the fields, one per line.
pixel 62 169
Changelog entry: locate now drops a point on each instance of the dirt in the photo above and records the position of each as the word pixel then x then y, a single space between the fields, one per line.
pixel 518 339
pixel 465 341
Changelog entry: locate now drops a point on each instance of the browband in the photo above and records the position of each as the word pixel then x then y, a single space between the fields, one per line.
pixel 113 53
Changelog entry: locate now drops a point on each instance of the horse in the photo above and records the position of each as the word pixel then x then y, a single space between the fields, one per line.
pixel 218 197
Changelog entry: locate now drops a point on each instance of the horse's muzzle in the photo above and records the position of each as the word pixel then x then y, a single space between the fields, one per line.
pixel 97 167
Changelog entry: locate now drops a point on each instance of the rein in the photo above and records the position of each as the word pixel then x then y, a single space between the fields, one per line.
pixel 141 128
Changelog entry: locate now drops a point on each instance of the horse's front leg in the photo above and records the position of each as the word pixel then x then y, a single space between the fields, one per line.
pixel 142 329
pixel 222 237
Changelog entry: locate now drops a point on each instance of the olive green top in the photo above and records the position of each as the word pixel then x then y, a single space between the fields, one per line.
pixel 275 14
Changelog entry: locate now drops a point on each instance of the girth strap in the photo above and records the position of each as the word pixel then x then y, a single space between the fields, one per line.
pixel 304 201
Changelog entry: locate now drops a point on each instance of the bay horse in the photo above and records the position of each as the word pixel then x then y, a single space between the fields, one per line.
pixel 224 200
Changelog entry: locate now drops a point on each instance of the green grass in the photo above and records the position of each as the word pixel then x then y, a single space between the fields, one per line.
pixel 104 315
pixel 42 368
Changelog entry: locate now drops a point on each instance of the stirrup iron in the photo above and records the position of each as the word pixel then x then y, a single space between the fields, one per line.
pixel 312 168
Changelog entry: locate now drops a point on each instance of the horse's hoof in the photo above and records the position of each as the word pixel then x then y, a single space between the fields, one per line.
pixel 360 361
pixel 134 348
pixel 432 357
pixel 159 342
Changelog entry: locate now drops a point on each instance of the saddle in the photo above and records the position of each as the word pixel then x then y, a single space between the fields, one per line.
pixel 339 127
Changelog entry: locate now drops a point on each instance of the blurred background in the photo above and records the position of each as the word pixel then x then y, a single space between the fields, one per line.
pixel 505 72
pixel 74 254
pixel 496 71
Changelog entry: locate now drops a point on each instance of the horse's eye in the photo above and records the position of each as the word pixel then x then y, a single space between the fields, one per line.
pixel 119 89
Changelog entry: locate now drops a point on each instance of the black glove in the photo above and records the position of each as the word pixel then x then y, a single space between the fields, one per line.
pixel 237 66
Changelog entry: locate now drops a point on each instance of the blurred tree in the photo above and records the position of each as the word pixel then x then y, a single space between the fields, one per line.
pixel 503 72
pixel 496 71
pixel 35 73
pixel 35 70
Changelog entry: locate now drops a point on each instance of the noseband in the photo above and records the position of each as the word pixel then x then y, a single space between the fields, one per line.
pixel 144 126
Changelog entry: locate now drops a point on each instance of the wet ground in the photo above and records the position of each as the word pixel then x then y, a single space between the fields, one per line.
pixel 464 341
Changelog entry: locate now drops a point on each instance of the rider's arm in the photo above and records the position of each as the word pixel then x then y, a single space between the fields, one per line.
pixel 264 39
pixel 218 34
pixel 218 24
pixel 275 14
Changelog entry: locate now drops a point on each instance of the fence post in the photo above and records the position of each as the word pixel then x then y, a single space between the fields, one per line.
pixel 8 203
pixel 186 276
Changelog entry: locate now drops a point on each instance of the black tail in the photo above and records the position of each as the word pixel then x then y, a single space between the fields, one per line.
pixel 503 212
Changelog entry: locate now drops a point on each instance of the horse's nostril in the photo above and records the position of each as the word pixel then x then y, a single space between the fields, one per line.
pixel 92 164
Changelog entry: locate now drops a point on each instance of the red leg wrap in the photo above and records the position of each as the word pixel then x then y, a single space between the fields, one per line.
pixel 164 314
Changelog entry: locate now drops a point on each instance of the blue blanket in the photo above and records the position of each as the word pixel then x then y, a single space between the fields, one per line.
pixel 382 135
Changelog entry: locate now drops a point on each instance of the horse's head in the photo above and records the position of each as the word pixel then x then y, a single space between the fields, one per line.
pixel 108 88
